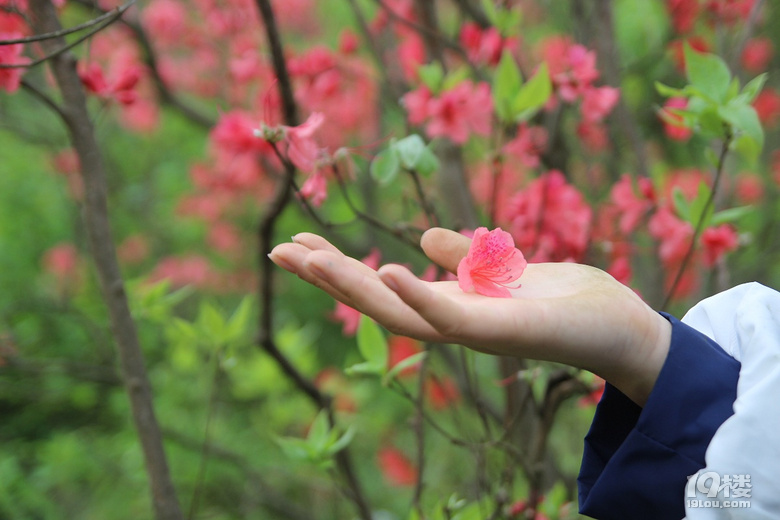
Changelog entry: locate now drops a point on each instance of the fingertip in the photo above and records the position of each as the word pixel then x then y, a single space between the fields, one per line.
pixel 314 242
pixel 321 262
pixel 283 256
pixel 389 274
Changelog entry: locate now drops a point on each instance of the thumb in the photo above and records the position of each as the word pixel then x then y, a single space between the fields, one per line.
pixel 444 247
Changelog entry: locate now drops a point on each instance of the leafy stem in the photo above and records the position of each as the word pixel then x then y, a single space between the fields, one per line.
pixel 702 220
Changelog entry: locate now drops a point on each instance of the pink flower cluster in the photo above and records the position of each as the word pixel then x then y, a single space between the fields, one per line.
pixel 550 219
pixel 457 113
pixel 573 72
pixel 121 88
pixel 484 46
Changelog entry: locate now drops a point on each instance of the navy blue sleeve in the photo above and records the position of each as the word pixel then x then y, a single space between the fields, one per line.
pixel 637 460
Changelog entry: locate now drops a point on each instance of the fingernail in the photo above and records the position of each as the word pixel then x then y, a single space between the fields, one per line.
pixel 390 282
pixel 293 238
pixel 281 263
pixel 316 269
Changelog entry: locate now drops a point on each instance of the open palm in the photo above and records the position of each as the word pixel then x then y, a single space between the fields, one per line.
pixel 564 312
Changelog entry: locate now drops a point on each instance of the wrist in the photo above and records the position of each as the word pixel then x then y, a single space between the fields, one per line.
pixel 652 352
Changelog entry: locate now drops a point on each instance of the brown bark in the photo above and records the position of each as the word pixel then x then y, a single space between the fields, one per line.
pixel 95 214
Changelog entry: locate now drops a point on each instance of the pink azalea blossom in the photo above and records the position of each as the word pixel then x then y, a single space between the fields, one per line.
pixel 757 54
pixel 749 188
pixel 767 105
pixel 234 134
pixel 598 102
pixel 572 67
pixel 482 46
pixel 61 260
pixel 416 104
pixel 593 135
pixel 718 241
pixel 551 218
pixel 527 145
pixel 673 126
pixel 10 79
pixel 673 234
pixel 683 13
pixel 400 348
pixel 411 54
pixel 315 189
pixel 461 111
pixel 730 11
pixel 493 263
pixel 441 392
pixel 396 467
pixel 165 21
pixel 633 206
pixel 302 148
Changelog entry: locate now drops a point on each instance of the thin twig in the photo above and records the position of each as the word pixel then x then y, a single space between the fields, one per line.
pixel 427 206
pixel 397 232
pixel 206 445
pixel 64 47
pixel 700 224
pixel 112 14
pixel 43 97
pixel 419 429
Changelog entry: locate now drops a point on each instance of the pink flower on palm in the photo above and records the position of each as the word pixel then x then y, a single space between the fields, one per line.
pixel 492 264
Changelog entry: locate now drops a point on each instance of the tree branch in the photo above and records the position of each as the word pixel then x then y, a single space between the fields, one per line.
pixel 77 120
pixel 266 228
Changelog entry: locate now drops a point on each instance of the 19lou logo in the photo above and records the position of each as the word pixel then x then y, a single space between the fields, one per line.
pixel 721 491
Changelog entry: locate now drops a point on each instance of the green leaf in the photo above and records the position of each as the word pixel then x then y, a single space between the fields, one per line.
pixel 385 166
pixel 211 324
pixel 410 149
pixel 342 441
pixel 733 89
pixel 681 205
pixel 490 11
pixel 641 29
pixel 711 123
pixel 748 148
pixel 712 157
pixel 731 215
pixel 365 369
pixel 371 342
pixel 403 365
pixel 319 433
pixel 668 91
pixel 534 94
pixel 508 21
pixel 506 84
pixel 295 449
pixel 698 206
pixel 752 89
pixel 708 73
pixel 431 75
pixel 428 163
pixel 239 322
pixel 745 119
pixel 454 77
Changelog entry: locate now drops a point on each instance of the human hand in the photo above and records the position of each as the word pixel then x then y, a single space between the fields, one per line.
pixel 564 312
